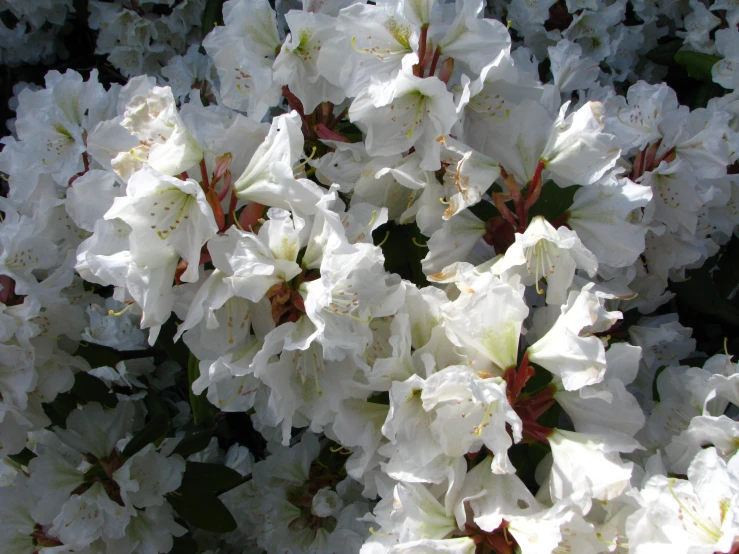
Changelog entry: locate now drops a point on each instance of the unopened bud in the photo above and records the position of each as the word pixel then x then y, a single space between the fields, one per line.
pixel 446 70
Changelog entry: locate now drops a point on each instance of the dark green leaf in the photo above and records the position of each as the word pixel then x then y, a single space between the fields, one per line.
pixel 176 351
pixel 705 92
pixel 98 355
pixel 58 410
pixel 23 457
pixel 152 432
pixel 202 410
pixel 212 15
pixel 202 510
pixel 700 294
pixel 726 274
pixel 88 388
pixel 192 444
pixel 697 64
pixel 155 405
pixel 210 478
pixel 184 545
pixel 484 210
pixel 402 255
pixel 553 201
pixel 539 380
pixel 664 54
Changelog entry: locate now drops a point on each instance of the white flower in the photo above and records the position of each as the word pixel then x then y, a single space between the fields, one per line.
pixel 470 411
pixel 166 214
pixel 488 320
pixel 296 64
pixel 548 253
pixel 353 288
pixel 696 516
pixel 588 467
pixel 269 177
pixel 419 112
pixel 567 350
pixel 608 220
pixel 578 150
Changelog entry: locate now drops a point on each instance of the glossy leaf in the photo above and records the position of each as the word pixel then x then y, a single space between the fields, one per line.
pixel 202 510
pixel 210 478
pixel 192 444
pixel 697 64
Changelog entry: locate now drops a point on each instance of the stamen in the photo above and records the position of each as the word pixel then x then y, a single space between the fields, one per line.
pixel 302 164
pixel 378 534
pixel 483 421
pixel 361 233
pixel 357 50
pixel 123 311
pixel 236 221
pixel 702 524
pixel 135 156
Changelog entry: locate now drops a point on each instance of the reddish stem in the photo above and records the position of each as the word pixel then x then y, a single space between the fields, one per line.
pixel 295 104
pixel 336 119
pixel 536 178
pixel 515 191
pixel 215 205
pixel 434 61
pixel 666 157
pixel 637 170
pixel 533 194
pixel 650 155
pixel 205 184
pixel 499 200
pixel 421 50
pixel 534 432
pixel 231 209
pixel 227 180
pixel 561 220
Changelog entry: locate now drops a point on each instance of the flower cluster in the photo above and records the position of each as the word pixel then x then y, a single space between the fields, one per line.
pixel 28 30
pixel 359 280
pixel 141 36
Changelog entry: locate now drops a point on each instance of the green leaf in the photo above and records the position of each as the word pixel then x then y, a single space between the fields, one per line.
pixel 156 428
pixel 88 388
pixel 664 54
pixel 193 444
pixel 210 478
pixel 697 64
pixel 201 408
pixel 23 457
pixel 553 201
pixel 202 510
pixel 212 15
